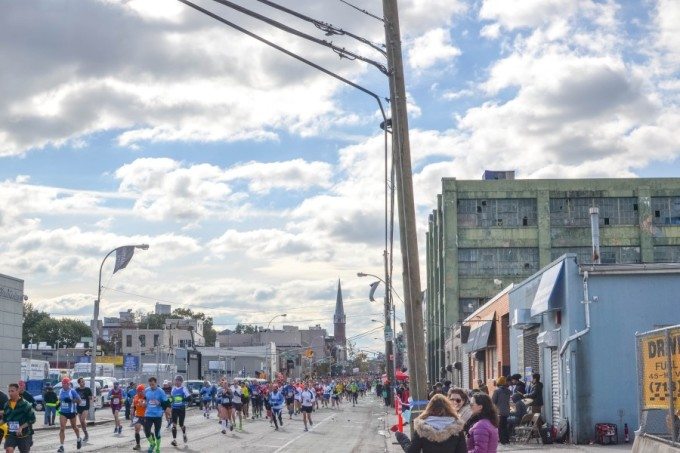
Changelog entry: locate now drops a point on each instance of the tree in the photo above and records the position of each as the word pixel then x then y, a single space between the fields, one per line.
pixel 32 318
pixel 67 331
pixel 209 332
pixel 246 328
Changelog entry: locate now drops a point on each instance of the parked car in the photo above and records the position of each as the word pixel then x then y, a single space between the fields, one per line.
pixel 194 387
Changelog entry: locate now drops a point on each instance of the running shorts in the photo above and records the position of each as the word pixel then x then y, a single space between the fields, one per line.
pixel 307 409
pixel 69 416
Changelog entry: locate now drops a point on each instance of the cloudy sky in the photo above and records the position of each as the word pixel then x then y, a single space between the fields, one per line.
pixel 258 181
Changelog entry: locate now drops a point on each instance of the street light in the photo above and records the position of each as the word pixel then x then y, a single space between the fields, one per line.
pixel 390 346
pixel 123 256
pixel 270 321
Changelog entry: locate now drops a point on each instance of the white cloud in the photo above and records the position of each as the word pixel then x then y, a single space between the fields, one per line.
pixel 295 174
pixel 431 48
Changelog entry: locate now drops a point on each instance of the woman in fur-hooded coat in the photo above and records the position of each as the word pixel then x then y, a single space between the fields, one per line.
pixel 436 430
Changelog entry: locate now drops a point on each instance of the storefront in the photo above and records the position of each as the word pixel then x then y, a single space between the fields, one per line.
pixel 583 350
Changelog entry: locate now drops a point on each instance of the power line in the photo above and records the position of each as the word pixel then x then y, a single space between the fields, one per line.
pixel 299 307
pixel 341 51
pixel 363 11
pixel 289 53
pixel 324 26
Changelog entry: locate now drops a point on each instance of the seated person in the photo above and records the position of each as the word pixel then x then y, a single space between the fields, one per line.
pixel 520 410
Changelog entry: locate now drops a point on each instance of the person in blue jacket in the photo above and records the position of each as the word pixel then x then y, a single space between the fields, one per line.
pixel 130 393
pixel 155 398
pixel 206 398
pixel 289 394
pixel 276 401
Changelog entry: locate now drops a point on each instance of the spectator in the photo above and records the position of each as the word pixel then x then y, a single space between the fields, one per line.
pixel 501 399
pixel 437 390
pixel 482 426
pixel 536 394
pixel 518 385
pixel 50 401
pixel 461 403
pixel 516 416
pixel 436 430
pixel 482 386
pixel 447 387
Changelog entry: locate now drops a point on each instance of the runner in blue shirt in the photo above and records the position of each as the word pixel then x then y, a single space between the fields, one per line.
pixel 179 396
pixel 276 401
pixel 68 401
pixel 206 398
pixel 155 397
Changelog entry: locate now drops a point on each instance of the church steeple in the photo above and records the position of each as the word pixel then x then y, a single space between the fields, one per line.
pixel 339 316
pixel 339 328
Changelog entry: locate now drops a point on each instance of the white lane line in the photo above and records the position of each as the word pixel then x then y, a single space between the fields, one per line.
pixel 299 436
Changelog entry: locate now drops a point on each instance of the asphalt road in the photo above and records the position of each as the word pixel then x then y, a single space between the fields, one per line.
pixel 348 430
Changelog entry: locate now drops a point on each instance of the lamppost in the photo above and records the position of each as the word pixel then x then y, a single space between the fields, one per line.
pixel 123 257
pixel 270 321
pixel 388 331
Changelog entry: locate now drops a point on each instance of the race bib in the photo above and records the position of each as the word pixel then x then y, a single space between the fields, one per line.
pixel 153 403
pixel 135 420
pixel 13 426
pixel 82 403
pixel 115 401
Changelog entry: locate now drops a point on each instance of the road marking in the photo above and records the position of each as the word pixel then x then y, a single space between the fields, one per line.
pixel 300 435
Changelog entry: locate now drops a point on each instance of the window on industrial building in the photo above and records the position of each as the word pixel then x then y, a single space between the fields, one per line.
pixel 494 262
pixel 155 340
pixel 497 212
pixel 128 341
pixel 666 210
pixel 667 254
pixel 142 341
pixel 608 255
pixel 467 305
pixel 576 211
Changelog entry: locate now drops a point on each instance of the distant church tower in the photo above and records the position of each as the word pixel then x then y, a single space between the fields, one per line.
pixel 339 327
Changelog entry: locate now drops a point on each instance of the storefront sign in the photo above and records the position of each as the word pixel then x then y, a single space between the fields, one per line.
pixel 654 350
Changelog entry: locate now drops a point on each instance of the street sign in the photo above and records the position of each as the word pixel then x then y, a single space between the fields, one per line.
pixel 88 353
pixel 388 335
pixel 100 353
pixel 131 363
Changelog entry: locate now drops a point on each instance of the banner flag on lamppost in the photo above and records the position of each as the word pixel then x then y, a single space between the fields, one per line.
pixel 374 286
pixel 123 257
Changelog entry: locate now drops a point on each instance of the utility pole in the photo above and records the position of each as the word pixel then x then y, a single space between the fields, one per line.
pixel 401 152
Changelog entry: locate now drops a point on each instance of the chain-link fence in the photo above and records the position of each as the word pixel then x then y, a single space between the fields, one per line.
pixel 658 359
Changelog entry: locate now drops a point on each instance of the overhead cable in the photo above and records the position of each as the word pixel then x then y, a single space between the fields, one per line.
pixel 341 51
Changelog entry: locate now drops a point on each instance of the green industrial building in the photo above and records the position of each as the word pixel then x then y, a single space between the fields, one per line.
pixel 485 234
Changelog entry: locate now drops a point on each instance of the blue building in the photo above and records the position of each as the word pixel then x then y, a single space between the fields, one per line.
pixel 585 352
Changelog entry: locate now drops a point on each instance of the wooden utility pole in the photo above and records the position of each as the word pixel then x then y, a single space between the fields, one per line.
pixel 401 153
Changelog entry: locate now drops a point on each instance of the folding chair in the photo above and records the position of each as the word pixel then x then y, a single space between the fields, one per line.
pixel 530 430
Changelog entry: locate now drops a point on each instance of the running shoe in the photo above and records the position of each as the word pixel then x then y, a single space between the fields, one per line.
pixel 79 444
pixel 136 447
pixel 224 431
pixel 306 429
pixel 231 426
pixel 173 443
pixel 185 438
pixel 61 449
pixel 86 437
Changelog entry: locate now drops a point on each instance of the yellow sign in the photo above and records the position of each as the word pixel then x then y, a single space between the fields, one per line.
pixel 115 359
pixel 655 350
pixel 309 353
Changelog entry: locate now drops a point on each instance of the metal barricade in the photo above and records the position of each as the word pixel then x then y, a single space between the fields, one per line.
pixel 658 364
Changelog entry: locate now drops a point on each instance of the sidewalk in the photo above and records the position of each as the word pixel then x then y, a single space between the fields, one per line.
pixel 394 447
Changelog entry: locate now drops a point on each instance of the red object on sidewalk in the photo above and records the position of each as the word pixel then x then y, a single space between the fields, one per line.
pixel 397 410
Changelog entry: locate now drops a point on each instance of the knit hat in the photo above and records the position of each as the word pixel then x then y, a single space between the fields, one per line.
pixel 500 381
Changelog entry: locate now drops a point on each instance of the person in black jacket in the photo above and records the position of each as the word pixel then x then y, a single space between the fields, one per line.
pixel 536 394
pixel 50 402
pixel 436 430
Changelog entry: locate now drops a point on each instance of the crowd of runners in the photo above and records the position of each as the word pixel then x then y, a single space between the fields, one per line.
pixel 151 407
